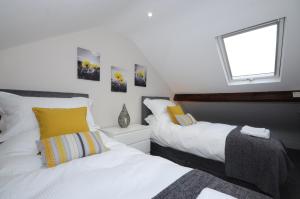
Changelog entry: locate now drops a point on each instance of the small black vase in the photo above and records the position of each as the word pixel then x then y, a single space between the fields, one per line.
pixel 124 118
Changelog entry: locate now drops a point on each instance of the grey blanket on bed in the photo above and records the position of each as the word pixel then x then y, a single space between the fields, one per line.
pixel 191 184
pixel 262 162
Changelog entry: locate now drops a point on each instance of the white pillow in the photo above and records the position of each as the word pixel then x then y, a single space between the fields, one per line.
pixel 186 120
pixel 158 106
pixel 162 118
pixel 21 144
pixel 48 102
pixel 10 104
pixel 19 116
pixel 150 119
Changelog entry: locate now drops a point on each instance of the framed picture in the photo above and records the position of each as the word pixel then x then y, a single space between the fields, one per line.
pixel 140 75
pixel 88 65
pixel 118 80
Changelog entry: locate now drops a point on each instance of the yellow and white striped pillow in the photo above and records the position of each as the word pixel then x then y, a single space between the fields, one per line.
pixel 64 148
pixel 185 120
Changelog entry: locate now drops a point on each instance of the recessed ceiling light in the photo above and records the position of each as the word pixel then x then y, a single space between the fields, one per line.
pixel 150 14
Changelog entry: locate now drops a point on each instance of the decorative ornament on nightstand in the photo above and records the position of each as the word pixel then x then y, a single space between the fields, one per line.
pixel 124 118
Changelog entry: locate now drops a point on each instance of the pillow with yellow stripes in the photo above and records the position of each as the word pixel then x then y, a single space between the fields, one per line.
pixel 64 148
pixel 186 120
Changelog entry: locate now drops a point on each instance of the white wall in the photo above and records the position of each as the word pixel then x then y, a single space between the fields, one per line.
pixel 50 65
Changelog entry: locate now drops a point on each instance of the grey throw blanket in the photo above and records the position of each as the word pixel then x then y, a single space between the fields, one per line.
pixel 262 162
pixel 191 184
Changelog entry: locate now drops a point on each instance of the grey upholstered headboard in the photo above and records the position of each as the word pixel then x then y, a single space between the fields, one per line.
pixel 145 110
pixel 29 93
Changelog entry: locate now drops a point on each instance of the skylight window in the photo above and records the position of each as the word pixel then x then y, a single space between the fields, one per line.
pixel 253 55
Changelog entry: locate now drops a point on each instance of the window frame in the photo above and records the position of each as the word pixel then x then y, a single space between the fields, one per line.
pixel 258 78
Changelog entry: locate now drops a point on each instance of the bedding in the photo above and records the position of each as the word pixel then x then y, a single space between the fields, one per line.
pixel 150 119
pixel 256 132
pixel 195 183
pixel 17 165
pixel 173 111
pixel 22 144
pixel 159 108
pixel 263 162
pixel 208 193
pixel 121 172
pixel 204 139
pixel 9 105
pixel 59 121
pixel 185 120
pixel 18 115
pixel 196 139
pixel 64 148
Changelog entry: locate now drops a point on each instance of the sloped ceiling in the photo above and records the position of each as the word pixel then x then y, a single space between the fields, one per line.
pixel 183 47
pixel 179 40
pixel 31 20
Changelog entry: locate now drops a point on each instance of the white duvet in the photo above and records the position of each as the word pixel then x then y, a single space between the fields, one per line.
pixel 204 139
pixel 122 172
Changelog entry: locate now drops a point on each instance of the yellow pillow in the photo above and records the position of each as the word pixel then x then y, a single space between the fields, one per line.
pixel 59 121
pixel 173 111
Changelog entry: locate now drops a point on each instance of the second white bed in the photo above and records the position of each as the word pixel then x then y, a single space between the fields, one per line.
pixel 204 139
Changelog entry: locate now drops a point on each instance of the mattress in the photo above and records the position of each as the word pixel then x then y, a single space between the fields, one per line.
pixel 203 139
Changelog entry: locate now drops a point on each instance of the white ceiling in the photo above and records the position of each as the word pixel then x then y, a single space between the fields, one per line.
pixel 179 40
pixel 23 21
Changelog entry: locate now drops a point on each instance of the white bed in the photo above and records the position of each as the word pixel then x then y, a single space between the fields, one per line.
pixel 201 145
pixel 204 139
pixel 122 172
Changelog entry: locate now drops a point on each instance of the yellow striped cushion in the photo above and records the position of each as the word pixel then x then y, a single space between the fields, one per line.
pixel 64 148
pixel 186 120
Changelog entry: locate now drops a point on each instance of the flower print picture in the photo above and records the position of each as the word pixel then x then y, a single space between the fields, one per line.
pixel 140 75
pixel 88 65
pixel 118 81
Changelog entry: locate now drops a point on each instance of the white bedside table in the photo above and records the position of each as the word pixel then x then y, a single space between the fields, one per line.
pixel 135 135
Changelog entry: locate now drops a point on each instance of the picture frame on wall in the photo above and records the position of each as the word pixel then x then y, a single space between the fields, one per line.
pixel 88 64
pixel 118 79
pixel 140 75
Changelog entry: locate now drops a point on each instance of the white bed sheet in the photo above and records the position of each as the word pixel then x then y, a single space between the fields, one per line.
pixel 122 172
pixel 204 139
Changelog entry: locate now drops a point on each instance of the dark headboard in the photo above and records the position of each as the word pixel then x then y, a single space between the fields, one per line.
pixel 27 93
pixel 145 110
